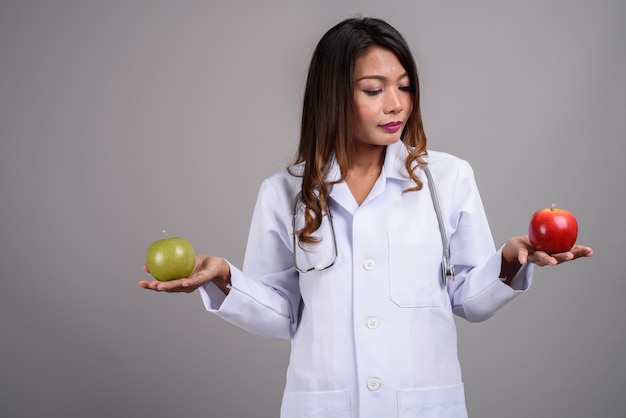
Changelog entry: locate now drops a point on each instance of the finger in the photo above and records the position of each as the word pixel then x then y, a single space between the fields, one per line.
pixel 172 287
pixel 581 251
pixel 188 285
pixel 541 259
pixel 563 257
pixel 576 252
pixel 175 286
pixel 145 268
pixel 145 284
pixel 149 284
pixel 522 256
pixel 167 286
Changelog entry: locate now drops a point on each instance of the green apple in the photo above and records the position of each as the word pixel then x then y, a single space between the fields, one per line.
pixel 170 258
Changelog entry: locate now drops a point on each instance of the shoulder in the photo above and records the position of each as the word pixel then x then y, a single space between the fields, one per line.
pixel 285 182
pixel 446 164
pixel 452 176
pixel 440 157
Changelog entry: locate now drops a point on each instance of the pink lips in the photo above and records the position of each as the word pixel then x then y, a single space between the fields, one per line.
pixel 391 127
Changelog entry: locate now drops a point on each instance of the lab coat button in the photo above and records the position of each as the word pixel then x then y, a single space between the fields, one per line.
pixel 373 384
pixel 372 323
pixel 369 264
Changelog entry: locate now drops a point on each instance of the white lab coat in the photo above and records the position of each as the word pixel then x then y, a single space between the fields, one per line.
pixel 374 335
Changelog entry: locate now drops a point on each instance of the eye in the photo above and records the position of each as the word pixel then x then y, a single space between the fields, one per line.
pixel 407 89
pixel 372 92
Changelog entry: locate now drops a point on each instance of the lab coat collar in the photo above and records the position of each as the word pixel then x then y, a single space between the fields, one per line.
pixel 393 168
pixel 394 161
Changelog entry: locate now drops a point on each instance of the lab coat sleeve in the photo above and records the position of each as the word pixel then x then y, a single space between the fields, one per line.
pixel 477 292
pixel 480 293
pixel 264 296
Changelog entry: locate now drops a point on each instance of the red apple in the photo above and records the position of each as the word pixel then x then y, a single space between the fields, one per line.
pixel 553 230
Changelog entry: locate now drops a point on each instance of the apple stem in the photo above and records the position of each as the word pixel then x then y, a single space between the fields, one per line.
pixel 553 207
pixel 165 234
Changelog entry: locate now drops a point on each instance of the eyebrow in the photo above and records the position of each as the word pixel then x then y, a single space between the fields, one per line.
pixel 380 77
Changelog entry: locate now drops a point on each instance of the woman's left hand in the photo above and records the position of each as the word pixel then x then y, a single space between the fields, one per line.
pixel 519 250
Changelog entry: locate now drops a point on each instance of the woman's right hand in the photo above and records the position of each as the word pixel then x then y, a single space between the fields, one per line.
pixel 208 268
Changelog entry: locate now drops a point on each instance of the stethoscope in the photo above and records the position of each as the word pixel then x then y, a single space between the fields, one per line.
pixel 447 269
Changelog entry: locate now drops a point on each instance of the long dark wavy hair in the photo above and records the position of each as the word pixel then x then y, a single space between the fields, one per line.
pixel 327 112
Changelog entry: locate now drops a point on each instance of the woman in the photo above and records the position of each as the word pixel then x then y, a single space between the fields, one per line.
pixel 355 281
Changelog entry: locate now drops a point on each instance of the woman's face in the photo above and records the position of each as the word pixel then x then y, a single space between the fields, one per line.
pixel 383 98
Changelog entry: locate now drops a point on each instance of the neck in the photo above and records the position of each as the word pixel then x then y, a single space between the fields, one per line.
pixel 366 166
pixel 367 159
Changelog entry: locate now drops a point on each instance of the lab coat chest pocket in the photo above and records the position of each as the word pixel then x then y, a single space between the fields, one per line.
pixel 415 268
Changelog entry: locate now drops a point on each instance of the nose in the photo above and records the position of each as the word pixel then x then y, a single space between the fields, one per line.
pixel 393 102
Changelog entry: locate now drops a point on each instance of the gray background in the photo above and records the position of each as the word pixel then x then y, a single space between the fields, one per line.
pixel 122 118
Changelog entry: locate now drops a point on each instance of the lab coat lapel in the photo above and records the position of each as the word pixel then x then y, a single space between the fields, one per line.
pixel 339 192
